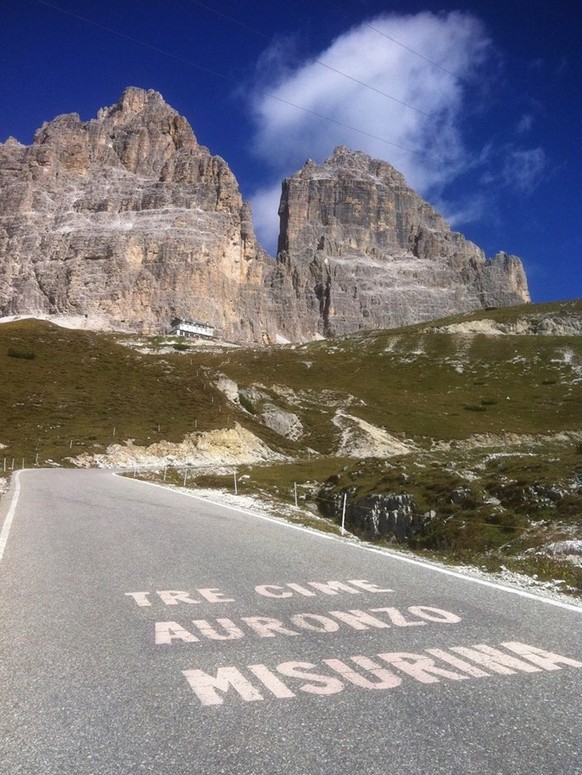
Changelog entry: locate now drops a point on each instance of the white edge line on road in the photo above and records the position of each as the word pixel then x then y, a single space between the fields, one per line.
pixel 366 548
pixel 10 516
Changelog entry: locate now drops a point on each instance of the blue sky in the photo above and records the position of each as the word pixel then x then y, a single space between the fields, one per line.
pixel 478 103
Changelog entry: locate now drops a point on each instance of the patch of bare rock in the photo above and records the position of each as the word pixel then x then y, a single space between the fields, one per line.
pixel 570 550
pixel 256 400
pixel 361 439
pixel 223 447
pixel 530 325
pixel 507 441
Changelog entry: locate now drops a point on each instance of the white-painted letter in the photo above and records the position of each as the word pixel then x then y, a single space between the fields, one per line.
pixel 174 596
pixel 232 632
pixel 495 660
pixel 323 684
pixel 206 687
pixel 420 667
pixel 367 586
pixel 332 587
pixel 266 627
pixel 359 620
pixel 434 614
pixel 215 596
pixel 315 622
pixel 141 598
pixel 267 590
pixel 385 679
pixel 270 680
pixel 301 590
pixel 460 664
pixel 396 617
pixel 166 632
pixel 544 659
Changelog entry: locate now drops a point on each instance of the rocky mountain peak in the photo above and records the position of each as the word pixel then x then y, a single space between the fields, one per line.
pixel 127 221
pixel 12 142
pixel 347 163
pixel 141 109
pixel 139 134
pixel 352 201
pixel 376 254
pixel 134 100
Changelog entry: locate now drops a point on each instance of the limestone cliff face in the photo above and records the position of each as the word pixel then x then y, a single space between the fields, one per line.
pixel 127 221
pixel 359 249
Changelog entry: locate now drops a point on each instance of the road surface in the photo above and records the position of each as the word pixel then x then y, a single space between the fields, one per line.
pixel 148 631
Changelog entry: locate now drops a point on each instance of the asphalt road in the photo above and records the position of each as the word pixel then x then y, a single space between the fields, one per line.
pixel 147 631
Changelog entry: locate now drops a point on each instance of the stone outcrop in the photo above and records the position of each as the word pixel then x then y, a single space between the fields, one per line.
pixel 360 249
pixel 389 515
pixel 361 439
pixel 210 449
pixel 537 324
pixel 126 221
pixel 126 218
pixel 258 403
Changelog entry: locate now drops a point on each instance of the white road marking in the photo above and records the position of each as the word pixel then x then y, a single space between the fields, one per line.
pixel 165 633
pixel 370 674
pixel 10 516
pixel 386 552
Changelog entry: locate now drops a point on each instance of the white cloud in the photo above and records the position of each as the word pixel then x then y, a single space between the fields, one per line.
pixel 515 168
pixel 523 169
pixel 286 136
pixel 471 209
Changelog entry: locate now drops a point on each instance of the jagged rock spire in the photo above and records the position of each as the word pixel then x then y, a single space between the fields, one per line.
pixel 126 221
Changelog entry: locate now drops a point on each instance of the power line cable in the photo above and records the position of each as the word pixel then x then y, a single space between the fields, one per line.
pixel 398 42
pixel 228 78
pixel 412 51
pixel 319 62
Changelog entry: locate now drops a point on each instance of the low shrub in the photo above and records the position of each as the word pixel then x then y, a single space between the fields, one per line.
pixel 26 355
pixel 247 404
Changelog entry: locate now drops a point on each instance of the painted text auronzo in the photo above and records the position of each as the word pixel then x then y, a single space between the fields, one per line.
pixel 293 678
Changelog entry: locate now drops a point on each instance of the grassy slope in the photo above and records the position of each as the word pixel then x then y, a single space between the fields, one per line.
pixel 80 385
pixel 416 383
pixel 81 391
pixel 426 384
